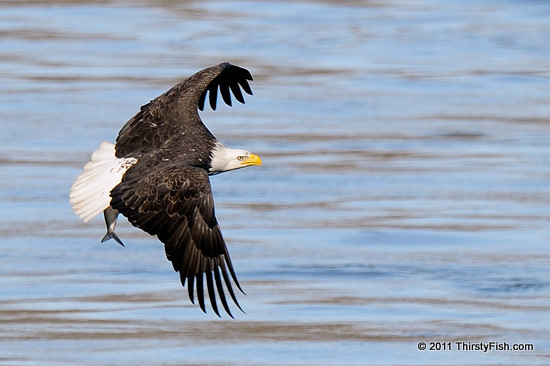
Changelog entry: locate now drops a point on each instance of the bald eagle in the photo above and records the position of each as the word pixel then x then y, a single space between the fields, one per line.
pixel 157 175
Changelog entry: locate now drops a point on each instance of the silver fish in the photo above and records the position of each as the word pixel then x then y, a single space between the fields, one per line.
pixel 111 215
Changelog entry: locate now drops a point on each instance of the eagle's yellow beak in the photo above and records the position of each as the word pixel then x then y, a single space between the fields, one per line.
pixel 252 160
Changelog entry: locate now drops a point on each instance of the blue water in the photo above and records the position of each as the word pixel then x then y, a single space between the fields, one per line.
pixel 404 195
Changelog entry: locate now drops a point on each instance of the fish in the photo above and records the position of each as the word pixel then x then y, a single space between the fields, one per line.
pixel 111 215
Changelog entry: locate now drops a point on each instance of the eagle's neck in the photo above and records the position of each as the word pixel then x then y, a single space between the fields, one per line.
pixel 221 155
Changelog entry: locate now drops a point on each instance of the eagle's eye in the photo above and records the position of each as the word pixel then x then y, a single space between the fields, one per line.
pixel 241 158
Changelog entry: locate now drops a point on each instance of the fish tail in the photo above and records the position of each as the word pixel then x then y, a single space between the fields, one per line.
pixel 112 235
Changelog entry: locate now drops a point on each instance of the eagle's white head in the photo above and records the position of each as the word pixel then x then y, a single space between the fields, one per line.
pixel 225 159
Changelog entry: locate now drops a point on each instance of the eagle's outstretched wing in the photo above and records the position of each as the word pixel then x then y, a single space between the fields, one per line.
pixel 175 203
pixel 171 121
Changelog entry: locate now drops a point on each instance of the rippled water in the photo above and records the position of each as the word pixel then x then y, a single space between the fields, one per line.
pixel 404 196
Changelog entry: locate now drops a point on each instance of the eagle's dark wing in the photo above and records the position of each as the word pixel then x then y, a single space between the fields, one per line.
pixel 232 77
pixel 175 203
pixel 172 119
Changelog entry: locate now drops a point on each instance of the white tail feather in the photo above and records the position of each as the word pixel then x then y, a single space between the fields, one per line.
pixel 90 193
